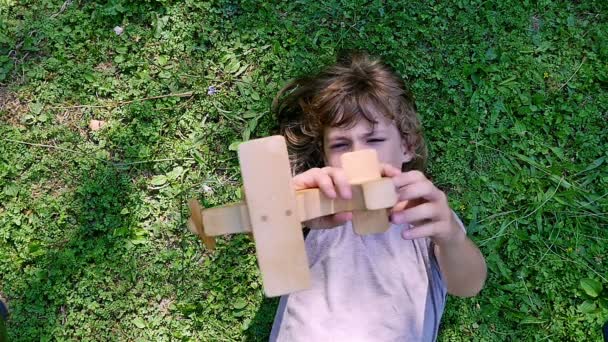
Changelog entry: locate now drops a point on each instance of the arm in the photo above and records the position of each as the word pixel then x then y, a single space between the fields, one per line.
pixel 426 207
pixel 462 265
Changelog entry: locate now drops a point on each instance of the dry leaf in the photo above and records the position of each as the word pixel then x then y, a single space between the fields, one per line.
pixel 96 125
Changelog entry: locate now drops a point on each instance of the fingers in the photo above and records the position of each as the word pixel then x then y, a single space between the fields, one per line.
pixel 425 230
pixel 414 185
pixel 410 177
pixel 420 213
pixel 331 181
pixel 411 185
pixel 340 181
pixel 402 205
pixel 438 231
pixel 422 205
pixel 387 170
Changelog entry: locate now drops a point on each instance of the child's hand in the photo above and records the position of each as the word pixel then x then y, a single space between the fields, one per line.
pixel 334 184
pixel 424 206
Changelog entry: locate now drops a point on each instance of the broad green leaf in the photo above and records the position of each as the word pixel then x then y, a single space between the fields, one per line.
pixel 162 60
pixel 159 180
pixel 233 66
pixel 587 307
pixel 139 323
pixel 89 77
pixel 239 313
pixel 239 304
pixel 591 287
pixel 175 173
pixel 249 114
pixel 11 190
pixel 234 145
pixel 490 54
pixel 242 69
pixel 36 107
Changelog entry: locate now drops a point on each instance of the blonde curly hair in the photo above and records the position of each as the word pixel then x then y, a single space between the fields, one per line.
pixel 355 88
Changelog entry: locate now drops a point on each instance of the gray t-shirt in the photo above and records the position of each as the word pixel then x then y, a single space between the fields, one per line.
pixel 376 287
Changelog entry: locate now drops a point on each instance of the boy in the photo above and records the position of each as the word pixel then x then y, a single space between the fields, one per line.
pixel 380 287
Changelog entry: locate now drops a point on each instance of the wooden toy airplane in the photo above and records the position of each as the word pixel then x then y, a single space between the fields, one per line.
pixel 273 211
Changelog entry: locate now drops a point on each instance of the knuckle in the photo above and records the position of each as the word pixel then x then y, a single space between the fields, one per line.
pixel 328 169
pixel 442 196
pixel 324 181
pixel 417 174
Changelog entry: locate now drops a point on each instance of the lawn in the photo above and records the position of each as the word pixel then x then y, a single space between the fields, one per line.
pixel 93 242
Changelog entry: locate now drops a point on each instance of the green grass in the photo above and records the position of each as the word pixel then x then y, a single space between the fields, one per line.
pixel 93 244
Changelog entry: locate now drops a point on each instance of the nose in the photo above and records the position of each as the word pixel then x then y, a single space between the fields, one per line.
pixel 358 146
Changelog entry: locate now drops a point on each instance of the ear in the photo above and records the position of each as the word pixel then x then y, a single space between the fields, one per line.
pixel 408 154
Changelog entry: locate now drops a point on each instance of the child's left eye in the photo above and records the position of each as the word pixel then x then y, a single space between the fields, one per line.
pixel 337 146
pixel 375 140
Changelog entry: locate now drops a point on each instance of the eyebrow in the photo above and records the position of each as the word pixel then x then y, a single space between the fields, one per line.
pixel 340 136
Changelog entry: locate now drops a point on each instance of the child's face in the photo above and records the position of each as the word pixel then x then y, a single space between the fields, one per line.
pixel 384 138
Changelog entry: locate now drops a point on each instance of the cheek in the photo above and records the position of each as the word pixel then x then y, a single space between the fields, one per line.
pixel 392 156
pixel 333 159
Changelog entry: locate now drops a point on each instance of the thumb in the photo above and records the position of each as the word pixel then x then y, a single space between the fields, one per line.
pixel 387 170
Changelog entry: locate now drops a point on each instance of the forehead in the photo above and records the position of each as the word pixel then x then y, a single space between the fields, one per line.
pixel 361 127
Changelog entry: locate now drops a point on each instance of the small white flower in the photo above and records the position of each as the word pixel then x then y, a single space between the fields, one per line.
pixel 118 30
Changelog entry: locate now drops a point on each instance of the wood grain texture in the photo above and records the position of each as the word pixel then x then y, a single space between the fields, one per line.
pixel 197 224
pixel 228 219
pixel 361 167
pixel 379 194
pixel 273 214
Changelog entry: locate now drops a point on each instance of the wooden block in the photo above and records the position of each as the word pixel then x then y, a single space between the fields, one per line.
pixel 273 213
pixel 228 219
pixel 379 194
pixel 357 202
pixel 360 167
pixel 196 223
pixel 309 204
pixel 367 222
pixel 312 203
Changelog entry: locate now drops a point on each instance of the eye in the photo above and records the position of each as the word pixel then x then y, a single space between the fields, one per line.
pixel 375 140
pixel 338 146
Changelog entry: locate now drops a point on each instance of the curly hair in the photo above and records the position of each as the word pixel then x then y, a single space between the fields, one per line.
pixel 356 87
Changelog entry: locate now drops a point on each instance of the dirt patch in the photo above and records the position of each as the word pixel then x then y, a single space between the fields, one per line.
pixel 164 305
pixel 71 118
pixel 106 68
pixel 12 109
pixel 54 187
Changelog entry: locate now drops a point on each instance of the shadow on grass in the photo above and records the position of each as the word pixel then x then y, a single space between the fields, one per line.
pixel 79 272
pixel 81 256
pixel 261 324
